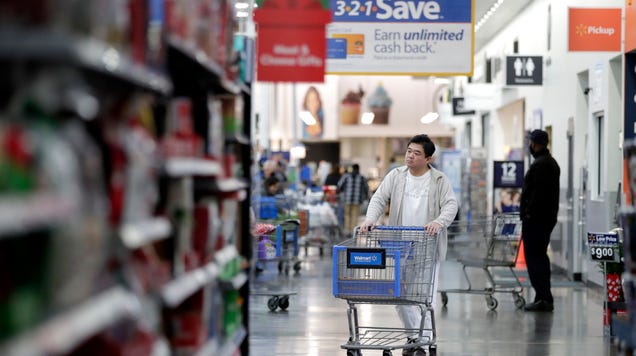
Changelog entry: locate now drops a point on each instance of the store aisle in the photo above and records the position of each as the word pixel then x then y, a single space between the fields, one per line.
pixel 316 322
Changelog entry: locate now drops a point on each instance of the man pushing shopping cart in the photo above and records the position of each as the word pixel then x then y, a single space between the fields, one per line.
pixel 421 196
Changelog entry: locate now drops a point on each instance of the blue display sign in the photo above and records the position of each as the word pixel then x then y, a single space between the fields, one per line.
pixel 441 11
pixel 366 258
pixel 606 239
pixel 508 174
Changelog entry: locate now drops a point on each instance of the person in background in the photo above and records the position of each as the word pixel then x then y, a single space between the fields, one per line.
pixel 334 176
pixel 420 195
pixel 272 187
pixel 392 164
pixel 539 209
pixel 354 190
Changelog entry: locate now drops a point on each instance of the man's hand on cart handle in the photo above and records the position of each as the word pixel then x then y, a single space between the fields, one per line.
pixel 432 228
pixel 366 226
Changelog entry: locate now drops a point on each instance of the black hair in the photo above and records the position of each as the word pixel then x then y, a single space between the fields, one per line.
pixel 271 180
pixel 425 141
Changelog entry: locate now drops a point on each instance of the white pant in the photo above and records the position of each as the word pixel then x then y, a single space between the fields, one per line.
pixel 411 315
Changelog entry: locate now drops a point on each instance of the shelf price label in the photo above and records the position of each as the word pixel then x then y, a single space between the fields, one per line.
pixel 603 246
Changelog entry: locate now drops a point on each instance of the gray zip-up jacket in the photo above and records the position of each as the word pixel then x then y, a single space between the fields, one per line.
pixel 442 205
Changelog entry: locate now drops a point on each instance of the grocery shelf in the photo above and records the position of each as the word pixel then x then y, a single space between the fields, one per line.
pixel 236 282
pixel 213 347
pixel 179 289
pixel 138 234
pixel 210 67
pixel 65 331
pixel 225 255
pixel 23 213
pixel 231 184
pixel 90 53
pixel 185 166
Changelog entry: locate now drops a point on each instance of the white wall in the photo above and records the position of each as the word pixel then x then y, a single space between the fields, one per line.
pixel 565 74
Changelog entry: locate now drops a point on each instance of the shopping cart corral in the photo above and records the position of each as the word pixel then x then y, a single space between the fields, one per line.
pixel 390 266
pixel 500 242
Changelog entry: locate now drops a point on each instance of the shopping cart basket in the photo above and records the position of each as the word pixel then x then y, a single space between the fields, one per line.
pixel 502 239
pixel 391 266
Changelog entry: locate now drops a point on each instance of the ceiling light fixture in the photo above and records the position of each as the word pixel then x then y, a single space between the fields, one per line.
pixel 367 118
pixel 488 14
pixel 307 118
pixel 241 5
pixel 429 117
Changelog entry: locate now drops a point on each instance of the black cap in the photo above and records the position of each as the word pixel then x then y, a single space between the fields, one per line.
pixel 540 137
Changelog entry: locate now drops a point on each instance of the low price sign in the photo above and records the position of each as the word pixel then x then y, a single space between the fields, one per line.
pixel 603 246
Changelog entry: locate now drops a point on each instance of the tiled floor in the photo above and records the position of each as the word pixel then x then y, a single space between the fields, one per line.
pixel 316 323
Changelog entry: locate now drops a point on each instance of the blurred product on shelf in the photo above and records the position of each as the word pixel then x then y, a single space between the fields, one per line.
pixel 121 183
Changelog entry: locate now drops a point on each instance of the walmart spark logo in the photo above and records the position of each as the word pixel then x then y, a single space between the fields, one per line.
pixel 580 29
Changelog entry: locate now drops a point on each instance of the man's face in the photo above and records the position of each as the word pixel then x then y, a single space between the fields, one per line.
pixel 415 157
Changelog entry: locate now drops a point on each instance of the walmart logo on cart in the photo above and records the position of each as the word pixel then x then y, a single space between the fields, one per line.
pixel 401 11
pixel 365 258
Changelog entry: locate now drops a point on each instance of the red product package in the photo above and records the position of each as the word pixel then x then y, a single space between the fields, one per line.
pixel 181 141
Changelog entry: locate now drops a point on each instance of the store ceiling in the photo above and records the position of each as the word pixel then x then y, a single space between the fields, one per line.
pixel 506 10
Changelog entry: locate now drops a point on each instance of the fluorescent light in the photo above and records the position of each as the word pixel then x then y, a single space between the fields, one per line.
pixel 367 118
pixel 429 117
pixel 241 5
pixel 242 14
pixel 307 118
pixel 298 151
pixel 488 14
pixel 441 81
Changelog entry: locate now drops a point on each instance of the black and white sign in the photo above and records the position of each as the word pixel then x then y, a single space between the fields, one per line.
pixel 459 108
pixel 524 70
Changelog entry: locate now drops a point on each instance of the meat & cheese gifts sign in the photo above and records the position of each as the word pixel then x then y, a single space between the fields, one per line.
pixel 415 37
pixel 291 41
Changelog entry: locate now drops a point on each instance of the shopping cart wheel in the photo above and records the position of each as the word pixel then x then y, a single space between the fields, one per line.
pixel 519 301
pixel 387 353
pixel 272 303
pixel 419 352
pixel 432 350
pixel 297 267
pixel 354 353
pixel 444 299
pixel 283 303
pixel 491 302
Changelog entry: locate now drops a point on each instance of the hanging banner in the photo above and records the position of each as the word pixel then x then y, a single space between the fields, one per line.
pixel 507 184
pixel 594 29
pixel 290 46
pixel 415 37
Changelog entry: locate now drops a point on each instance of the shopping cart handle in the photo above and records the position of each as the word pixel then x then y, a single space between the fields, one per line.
pixel 292 221
pixel 399 228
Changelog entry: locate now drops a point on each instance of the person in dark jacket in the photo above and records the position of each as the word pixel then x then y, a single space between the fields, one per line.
pixel 354 190
pixel 539 208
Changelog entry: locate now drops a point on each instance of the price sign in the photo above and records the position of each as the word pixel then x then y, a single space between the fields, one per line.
pixel 603 246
